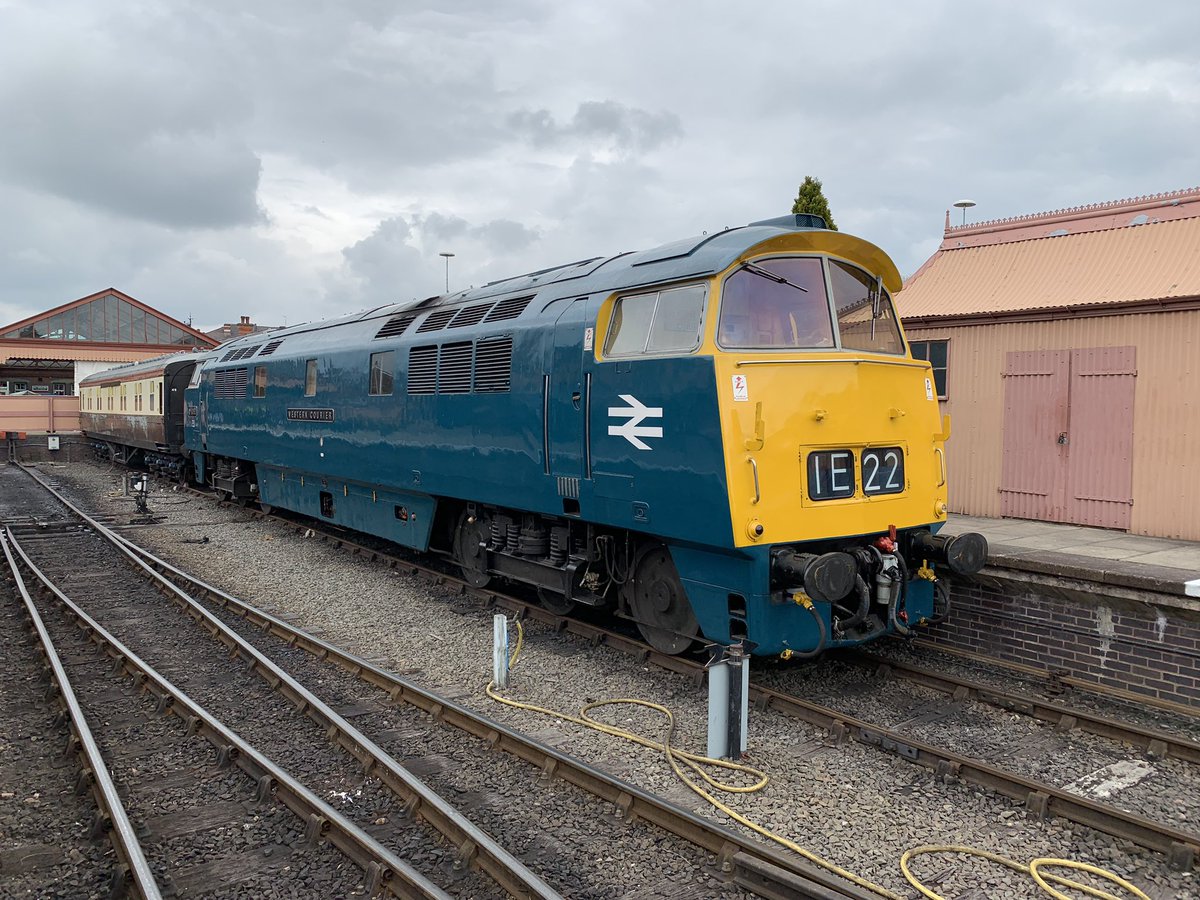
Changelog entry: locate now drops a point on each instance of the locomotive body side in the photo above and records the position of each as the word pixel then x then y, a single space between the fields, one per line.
pixel 602 432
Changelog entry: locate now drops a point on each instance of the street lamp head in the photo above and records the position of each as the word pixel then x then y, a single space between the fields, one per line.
pixel 447 256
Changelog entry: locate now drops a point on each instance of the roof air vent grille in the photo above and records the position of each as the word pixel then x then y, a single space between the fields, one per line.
pixel 436 320
pixel 396 325
pixel 508 309
pixel 271 347
pixel 470 315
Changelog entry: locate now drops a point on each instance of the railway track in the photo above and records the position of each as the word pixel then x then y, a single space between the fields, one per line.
pixel 744 863
pixel 1041 799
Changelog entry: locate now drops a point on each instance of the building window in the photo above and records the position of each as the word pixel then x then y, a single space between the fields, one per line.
pixel 383 367
pixel 310 378
pixel 260 381
pixel 938 355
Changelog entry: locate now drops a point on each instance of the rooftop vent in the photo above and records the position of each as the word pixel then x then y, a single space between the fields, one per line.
pixel 271 347
pixel 396 325
pixel 436 320
pixel 470 315
pixel 508 309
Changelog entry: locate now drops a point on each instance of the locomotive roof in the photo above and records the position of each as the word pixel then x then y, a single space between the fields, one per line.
pixel 694 257
pixel 134 369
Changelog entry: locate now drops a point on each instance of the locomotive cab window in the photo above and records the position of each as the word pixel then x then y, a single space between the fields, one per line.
pixel 383 367
pixel 260 381
pixel 776 304
pixel 310 378
pixel 659 322
pixel 866 320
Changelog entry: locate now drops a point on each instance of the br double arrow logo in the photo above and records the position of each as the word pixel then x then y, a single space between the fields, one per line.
pixel 632 429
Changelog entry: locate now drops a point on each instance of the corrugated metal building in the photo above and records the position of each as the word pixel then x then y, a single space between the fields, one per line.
pixel 1066 348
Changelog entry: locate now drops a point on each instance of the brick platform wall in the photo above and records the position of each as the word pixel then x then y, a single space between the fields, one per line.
pixel 73 447
pixel 1142 646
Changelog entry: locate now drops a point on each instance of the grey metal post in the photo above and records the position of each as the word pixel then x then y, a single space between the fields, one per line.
pixel 500 651
pixel 718 705
pixel 737 661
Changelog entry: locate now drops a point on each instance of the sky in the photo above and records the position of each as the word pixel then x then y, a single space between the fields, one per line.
pixel 293 160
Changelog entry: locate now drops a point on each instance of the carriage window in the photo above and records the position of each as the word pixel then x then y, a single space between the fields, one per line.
pixel 866 320
pixel 310 378
pixel 260 381
pixel 660 322
pixel 776 304
pixel 383 365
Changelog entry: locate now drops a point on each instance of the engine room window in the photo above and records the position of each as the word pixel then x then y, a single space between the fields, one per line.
pixel 260 381
pixel 310 378
pixel 866 320
pixel 383 367
pixel 660 322
pixel 776 304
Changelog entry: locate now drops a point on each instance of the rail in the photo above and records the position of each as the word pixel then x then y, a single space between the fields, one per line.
pixel 95 770
pixel 747 862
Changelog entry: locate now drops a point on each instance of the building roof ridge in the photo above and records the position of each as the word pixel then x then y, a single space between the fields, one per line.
pixel 1076 212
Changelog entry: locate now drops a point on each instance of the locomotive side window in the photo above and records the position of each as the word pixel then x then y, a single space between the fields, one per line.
pixel 776 304
pixel 383 367
pixel 310 378
pixel 659 322
pixel 260 381
pixel 630 324
pixel 866 319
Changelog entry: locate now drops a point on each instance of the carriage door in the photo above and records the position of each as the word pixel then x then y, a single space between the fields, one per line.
pixel 566 405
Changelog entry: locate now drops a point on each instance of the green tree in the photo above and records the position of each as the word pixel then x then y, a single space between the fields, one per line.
pixel 811 199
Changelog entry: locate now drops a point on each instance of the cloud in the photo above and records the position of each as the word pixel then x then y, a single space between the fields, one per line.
pixel 92 124
pixel 600 123
pixel 303 159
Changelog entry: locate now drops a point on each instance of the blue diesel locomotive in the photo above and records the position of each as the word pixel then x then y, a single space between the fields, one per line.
pixel 723 439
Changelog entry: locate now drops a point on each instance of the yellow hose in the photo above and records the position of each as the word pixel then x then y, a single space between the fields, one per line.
pixel 679 759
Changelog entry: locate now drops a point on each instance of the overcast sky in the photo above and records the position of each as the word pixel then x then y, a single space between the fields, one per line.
pixel 292 159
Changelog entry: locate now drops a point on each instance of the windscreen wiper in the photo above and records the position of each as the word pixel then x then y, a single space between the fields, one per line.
pixel 767 273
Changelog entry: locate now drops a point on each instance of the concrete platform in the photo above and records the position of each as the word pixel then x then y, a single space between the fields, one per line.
pixel 1088 554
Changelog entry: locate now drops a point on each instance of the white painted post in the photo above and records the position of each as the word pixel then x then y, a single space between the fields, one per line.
pixel 718 706
pixel 500 651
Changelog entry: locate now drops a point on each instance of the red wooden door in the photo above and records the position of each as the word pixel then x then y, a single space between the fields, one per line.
pixel 1100 467
pixel 1033 470
pixel 1068 436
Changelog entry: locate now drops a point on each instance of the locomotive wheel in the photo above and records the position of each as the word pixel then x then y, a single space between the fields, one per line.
pixel 660 606
pixel 555 602
pixel 468 552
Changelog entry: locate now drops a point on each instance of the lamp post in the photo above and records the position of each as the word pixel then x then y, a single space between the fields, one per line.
pixel 447 256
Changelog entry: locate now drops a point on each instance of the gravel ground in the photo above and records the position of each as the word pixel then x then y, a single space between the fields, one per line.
pixel 916 653
pixel 1168 790
pixel 859 808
